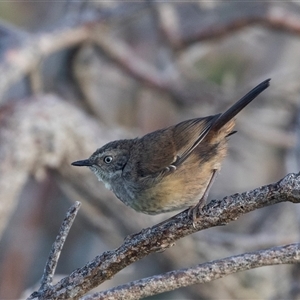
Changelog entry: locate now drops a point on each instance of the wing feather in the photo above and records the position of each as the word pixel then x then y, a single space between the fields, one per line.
pixel 188 136
pixel 170 147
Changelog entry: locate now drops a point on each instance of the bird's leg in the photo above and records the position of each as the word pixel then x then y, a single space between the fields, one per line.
pixel 199 206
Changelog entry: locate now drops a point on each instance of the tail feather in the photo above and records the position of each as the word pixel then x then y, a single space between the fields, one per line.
pixel 239 105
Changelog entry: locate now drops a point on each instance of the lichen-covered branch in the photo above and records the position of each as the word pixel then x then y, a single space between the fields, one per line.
pixel 288 254
pixel 57 246
pixel 165 234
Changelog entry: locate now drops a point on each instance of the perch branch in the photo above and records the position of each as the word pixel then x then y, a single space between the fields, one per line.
pixel 163 235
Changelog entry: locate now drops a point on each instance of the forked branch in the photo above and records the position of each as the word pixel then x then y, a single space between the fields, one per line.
pixel 165 234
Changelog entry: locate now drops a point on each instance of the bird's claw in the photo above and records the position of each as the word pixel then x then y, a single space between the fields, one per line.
pixel 196 212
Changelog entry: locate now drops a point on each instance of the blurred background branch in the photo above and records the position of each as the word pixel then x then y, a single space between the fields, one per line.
pixel 77 74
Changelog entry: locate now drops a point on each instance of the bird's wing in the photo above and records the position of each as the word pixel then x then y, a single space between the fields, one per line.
pixel 189 134
pixel 162 151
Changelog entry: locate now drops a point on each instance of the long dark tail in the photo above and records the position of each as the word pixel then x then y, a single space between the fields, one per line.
pixel 238 106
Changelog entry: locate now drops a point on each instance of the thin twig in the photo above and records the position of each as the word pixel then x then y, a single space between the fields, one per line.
pixel 57 246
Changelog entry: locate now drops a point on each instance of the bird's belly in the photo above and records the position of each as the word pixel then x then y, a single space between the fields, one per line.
pixel 170 194
pixel 180 189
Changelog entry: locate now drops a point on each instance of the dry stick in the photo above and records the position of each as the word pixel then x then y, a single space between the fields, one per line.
pixel 288 254
pixel 163 235
pixel 57 246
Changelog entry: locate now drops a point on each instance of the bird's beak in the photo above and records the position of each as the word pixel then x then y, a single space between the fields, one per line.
pixel 82 163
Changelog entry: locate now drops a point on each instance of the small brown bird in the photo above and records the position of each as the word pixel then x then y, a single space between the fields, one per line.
pixel 168 169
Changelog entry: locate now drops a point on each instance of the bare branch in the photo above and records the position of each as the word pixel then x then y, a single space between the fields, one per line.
pixel 289 254
pixel 57 246
pixel 163 235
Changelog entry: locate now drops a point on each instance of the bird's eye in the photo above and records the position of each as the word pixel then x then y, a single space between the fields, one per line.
pixel 107 159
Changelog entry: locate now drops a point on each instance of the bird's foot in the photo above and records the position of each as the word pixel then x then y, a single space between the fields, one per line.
pixel 196 211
